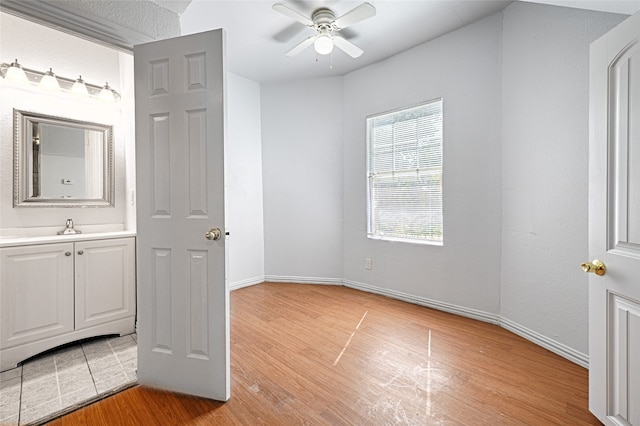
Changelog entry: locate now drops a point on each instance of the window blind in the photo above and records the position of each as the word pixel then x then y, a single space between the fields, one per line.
pixel 404 174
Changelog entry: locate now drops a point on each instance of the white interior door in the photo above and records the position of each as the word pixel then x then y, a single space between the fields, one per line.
pixel 183 305
pixel 614 222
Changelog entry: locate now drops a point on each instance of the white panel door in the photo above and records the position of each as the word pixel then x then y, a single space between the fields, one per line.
pixel 183 307
pixel 614 225
pixel 105 281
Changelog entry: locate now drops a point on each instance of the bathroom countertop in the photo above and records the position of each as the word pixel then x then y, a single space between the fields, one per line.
pixel 13 241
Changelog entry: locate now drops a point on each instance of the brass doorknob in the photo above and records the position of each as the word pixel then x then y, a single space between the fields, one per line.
pixel 213 234
pixel 597 267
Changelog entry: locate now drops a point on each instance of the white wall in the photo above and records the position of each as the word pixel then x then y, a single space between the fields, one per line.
pixel 302 176
pixel 244 204
pixel 463 68
pixel 515 89
pixel 38 47
pixel 545 168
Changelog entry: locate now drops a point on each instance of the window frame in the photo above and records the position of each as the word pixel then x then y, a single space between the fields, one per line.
pixel 373 233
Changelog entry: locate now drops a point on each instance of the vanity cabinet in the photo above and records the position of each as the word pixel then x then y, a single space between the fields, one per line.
pixel 36 293
pixel 104 276
pixel 51 294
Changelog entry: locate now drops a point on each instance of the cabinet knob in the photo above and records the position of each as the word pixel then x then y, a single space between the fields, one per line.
pixel 80 252
pixel 68 253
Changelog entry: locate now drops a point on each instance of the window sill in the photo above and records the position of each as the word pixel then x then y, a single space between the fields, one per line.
pixel 407 240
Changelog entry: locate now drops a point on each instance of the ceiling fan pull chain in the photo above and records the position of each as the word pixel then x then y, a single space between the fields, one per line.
pixel 331 60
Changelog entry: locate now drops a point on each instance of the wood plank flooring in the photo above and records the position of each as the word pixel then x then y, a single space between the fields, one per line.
pixel 327 355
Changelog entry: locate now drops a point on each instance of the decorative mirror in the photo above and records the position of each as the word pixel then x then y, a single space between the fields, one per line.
pixel 59 162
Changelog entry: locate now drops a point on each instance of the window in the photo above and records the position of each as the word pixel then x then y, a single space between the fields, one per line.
pixel 404 174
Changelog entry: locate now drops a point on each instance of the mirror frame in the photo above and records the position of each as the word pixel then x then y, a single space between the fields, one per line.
pixel 21 145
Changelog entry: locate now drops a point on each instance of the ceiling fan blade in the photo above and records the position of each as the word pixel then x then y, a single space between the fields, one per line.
pixel 286 10
pixel 348 47
pixel 348 33
pixel 360 13
pixel 289 32
pixel 301 46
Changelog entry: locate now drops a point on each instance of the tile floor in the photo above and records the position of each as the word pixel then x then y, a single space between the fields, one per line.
pixel 61 378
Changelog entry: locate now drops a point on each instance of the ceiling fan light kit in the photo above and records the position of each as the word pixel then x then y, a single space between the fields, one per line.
pixel 323 44
pixel 326 25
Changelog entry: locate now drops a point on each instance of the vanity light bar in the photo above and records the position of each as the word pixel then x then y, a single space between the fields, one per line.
pixel 36 77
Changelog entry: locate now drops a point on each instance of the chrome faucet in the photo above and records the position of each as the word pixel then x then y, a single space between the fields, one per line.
pixel 69 229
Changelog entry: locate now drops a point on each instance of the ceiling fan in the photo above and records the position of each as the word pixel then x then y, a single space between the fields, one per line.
pixel 324 21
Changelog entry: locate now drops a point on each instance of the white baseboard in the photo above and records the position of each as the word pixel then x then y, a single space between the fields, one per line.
pixel 283 279
pixel 429 303
pixel 246 283
pixel 542 340
pixel 533 336
pixel 303 280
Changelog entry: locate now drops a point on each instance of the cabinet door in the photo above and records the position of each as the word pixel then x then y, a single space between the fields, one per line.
pixel 36 293
pixel 105 273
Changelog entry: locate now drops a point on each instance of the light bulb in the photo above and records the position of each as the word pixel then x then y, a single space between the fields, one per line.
pixel 106 94
pixel 79 88
pixel 323 44
pixel 15 74
pixel 50 82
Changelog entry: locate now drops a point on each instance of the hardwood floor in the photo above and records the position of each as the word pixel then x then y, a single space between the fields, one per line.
pixel 325 355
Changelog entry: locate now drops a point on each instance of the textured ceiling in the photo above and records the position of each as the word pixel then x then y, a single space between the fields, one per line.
pixel 258 37
pixel 175 6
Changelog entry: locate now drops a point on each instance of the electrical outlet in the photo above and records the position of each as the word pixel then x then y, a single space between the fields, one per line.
pixel 367 263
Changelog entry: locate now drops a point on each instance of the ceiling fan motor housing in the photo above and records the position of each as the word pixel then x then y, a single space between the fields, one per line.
pixel 323 17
